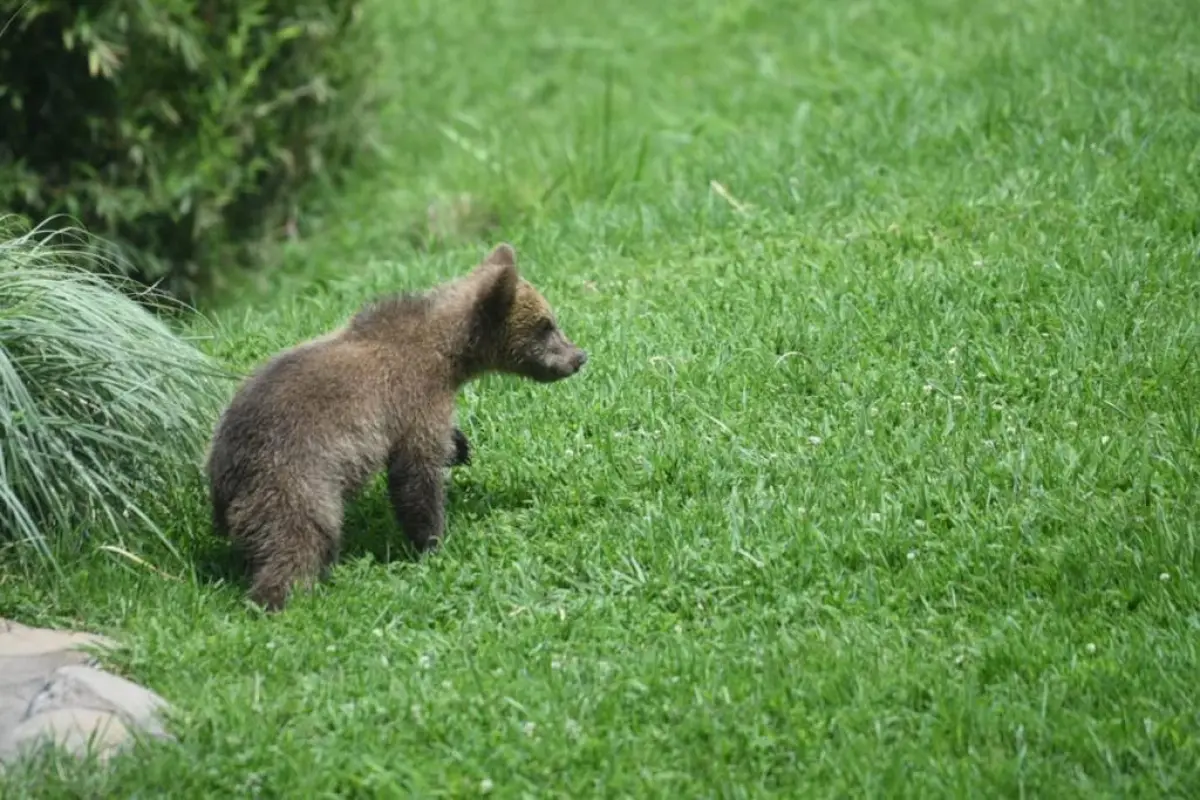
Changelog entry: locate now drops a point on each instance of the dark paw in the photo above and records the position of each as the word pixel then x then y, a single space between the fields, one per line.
pixel 428 546
pixel 271 599
pixel 462 450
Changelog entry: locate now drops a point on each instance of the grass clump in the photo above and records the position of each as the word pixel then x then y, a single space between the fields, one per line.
pixel 102 405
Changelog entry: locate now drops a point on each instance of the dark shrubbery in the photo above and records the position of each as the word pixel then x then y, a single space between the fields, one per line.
pixel 172 127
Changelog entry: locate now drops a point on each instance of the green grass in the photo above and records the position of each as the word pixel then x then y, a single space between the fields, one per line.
pixel 883 477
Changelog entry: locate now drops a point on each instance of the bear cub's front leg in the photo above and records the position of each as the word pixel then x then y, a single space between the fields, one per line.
pixel 417 490
pixel 462 449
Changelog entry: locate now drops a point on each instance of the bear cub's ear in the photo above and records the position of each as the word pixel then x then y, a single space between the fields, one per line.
pixel 503 255
pixel 499 289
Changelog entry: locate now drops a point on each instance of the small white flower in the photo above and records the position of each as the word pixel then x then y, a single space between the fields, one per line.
pixel 876 516
pixel 528 728
pixel 1072 424
pixel 486 785
pixel 997 406
pixel 425 661
pixel 1105 440
pixel 870 431
pixel 912 555
pixel 814 440
pixel 1090 648
pixel 555 664
pixel 928 388
pixel 1166 576
pixel 920 523
pixel 377 633
pixel 573 729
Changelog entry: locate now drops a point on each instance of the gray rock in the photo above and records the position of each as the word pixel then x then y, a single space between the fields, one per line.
pixel 74 729
pixel 50 690
pixel 21 640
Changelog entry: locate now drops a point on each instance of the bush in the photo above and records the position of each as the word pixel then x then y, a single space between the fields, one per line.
pixel 172 127
pixel 101 404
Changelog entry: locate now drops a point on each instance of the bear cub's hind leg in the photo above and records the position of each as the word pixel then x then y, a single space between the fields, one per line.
pixel 294 556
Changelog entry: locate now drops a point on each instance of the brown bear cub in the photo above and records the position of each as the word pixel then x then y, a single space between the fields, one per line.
pixel 314 423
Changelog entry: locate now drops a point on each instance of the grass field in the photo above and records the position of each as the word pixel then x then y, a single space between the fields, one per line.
pixel 883 478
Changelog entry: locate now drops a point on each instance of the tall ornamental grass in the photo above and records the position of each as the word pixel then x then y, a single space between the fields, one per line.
pixel 103 408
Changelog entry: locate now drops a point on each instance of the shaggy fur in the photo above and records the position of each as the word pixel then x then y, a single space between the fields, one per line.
pixel 314 423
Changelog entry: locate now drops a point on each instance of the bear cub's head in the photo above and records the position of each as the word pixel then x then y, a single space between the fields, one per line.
pixel 516 330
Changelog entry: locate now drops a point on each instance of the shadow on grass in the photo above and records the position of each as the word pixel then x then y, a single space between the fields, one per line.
pixel 370 528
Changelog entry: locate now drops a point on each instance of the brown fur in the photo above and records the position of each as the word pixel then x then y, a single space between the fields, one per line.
pixel 314 423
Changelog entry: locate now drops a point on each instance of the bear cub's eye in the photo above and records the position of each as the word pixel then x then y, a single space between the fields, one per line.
pixel 545 327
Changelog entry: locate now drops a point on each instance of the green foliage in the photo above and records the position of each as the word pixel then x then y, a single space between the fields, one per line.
pixel 172 128
pixel 101 404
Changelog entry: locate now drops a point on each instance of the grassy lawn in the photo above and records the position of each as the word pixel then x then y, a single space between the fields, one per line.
pixel 883 477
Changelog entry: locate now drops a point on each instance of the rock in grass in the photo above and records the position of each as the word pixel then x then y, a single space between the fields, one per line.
pixel 52 691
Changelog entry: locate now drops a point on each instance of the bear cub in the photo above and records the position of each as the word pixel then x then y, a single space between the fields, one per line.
pixel 308 428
